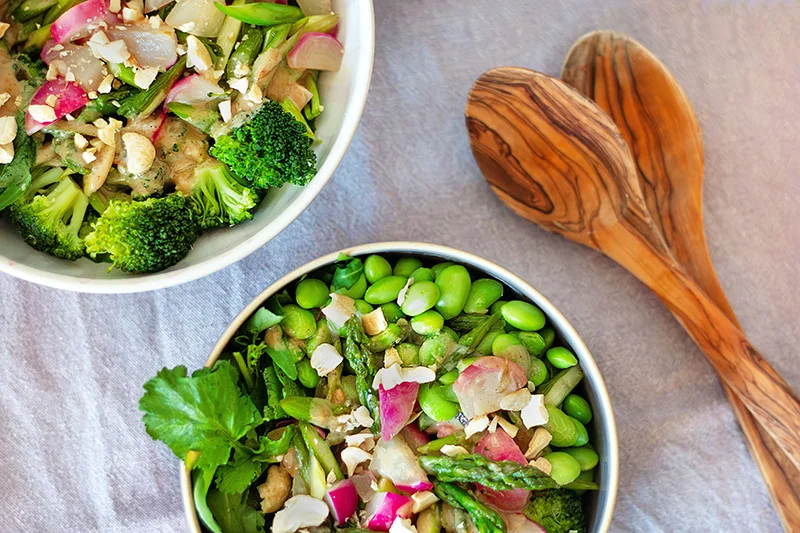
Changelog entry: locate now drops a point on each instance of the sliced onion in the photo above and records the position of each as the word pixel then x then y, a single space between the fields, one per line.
pixel 499 446
pixel 482 384
pixel 315 7
pixel 316 51
pixel 393 459
pixel 194 90
pixel 198 17
pixel 149 46
pixel 79 60
pixel 76 21
pixel 342 499
pixel 396 405
pixel 384 507
pixel 152 5
pixel 69 97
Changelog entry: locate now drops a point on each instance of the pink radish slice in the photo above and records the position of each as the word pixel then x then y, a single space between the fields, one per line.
pixel 393 459
pixel 69 97
pixel 499 446
pixel 76 21
pixel 342 499
pixel 79 60
pixel 150 47
pixel 396 404
pixel 414 436
pixel 384 508
pixel 316 51
pixel 315 7
pixel 519 523
pixel 481 385
pixel 162 119
pixel 194 90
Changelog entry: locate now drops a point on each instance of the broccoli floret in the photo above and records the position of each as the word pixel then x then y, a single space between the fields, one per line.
pixel 51 222
pixel 146 236
pixel 269 149
pixel 557 511
pixel 219 198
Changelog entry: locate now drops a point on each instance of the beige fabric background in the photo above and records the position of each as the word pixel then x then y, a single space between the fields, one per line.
pixel 74 456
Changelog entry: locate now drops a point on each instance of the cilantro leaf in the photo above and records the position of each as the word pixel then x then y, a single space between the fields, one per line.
pixel 247 466
pixel 206 412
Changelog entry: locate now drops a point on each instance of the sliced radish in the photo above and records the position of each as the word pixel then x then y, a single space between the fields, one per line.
pixel 198 17
pixel 384 508
pixel 194 90
pixel 499 446
pixel 315 7
pixel 79 60
pixel 414 436
pixel 149 46
pixel 69 97
pixel 316 51
pixel 342 499
pixel 77 21
pixel 396 404
pixel 519 523
pixel 393 459
pixel 481 385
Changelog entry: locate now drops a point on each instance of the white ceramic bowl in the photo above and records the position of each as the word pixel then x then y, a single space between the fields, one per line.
pixel 344 94
pixel 602 428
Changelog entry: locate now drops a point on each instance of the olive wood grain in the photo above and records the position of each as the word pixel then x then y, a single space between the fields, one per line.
pixel 658 123
pixel 556 158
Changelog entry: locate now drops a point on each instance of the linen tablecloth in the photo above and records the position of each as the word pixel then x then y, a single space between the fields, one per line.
pixel 73 453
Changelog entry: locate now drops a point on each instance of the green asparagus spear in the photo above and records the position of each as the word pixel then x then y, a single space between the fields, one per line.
pixel 228 35
pixel 263 14
pixel 317 411
pixel 486 520
pixel 103 105
pixel 320 449
pixel 454 439
pixel 243 56
pixel 561 385
pixel 365 368
pixel 313 108
pixel 502 475
pixel 145 102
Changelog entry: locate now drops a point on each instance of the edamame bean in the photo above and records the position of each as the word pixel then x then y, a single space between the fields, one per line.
pixel 565 468
pixel 497 306
pixel 533 342
pixel 585 456
pixel 449 378
pixel 427 322
pixel 438 267
pixel 583 434
pixel 385 290
pixel 561 427
pixel 357 290
pixel 454 284
pixel 464 363
pixel 298 322
pixel 588 475
pixel 483 293
pixel 578 408
pixel 549 337
pixel 376 267
pixel 363 307
pixel 485 346
pixel 306 374
pixel 420 297
pixel 502 342
pixel 405 266
pixel 321 335
pixel 311 293
pixel 537 373
pixel 434 403
pixel 393 334
pixel 561 357
pixel 422 274
pixel 392 312
pixel 523 315
pixel 409 353
pixel 437 347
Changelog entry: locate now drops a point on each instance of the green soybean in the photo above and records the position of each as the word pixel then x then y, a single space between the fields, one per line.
pixel 502 342
pixel 532 341
pixel 392 312
pixel 385 290
pixel 438 267
pixel 464 363
pixel 523 315
pixel 583 434
pixel 454 284
pixel 322 334
pixel 409 353
pixel 298 322
pixel 427 323
pixel 376 267
pixel 306 374
pixel 578 408
pixel 482 294
pixel 393 334
pixel 311 293
pixel 565 468
pixel 561 427
pixel 561 357
pixel 587 458
pixel 497 306
pixel 485 346
pixel 420 297
pixel 449 378
pixel 422 274
pixel 588 475
pixel 537 373
pixel 363 307
pixel 434 403
pixel 358 289
pixel 437 347
pixel 549 337
pixel 405 266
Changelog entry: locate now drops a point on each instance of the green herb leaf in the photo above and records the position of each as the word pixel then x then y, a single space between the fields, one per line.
pixel 206 412
pixel 202 482
pixel 283 360
pixel 15 177
pixel 233 514
pixel 347 275
pixel 261 320
pixel 274 389
pixel 240 474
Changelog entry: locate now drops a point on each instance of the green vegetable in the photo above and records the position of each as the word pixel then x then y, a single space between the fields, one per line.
pixel 561 357
pixel 243 56
pixel 455 439
pixel 557 511
pixel 204 117
pixel 306 374
pixel 143 103
pixel 523 315
pixel 320 449
pixel 227 37
pixel 321 336
pixel 405 266
pixel 201 482
pixel 583 434
pixel 279 352
pixel 274 393
pixel 438 347
pixel 473 468
pixel 392 312
pixel 420 297
pixel 454 284
pixel 317 411
pixel 347 274
pixel 15 177
pixel 311 293
pixel 428 521
pixel 434 403
pixel 549 337
pixel 482 294
pixel 537 373
pixel 30 9
pixel 561 428
pixel 487 520
pixel 409 353
pixel 565 467
pixel 438 267
pixel 248 464
pixel 365 368
pixel 533 342
pixel 393 334
pixel 357 291
pixel 422 274
pixel 310 468
pixel 427 323
pixel 146 236
pixel 103 105
pixel 233 514
pixel 385 290
pixel 363 307
pixel 376 267
pixel 485 346
pixel 219 199
pixel 269 149
pixel 298 322
pixel 261 320
pixel 262 14
pixel 558 388
pixel 577 408
pixel 587 458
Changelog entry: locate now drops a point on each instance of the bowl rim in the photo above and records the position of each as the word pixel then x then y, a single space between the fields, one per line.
pixel 609 427
pixel 161 280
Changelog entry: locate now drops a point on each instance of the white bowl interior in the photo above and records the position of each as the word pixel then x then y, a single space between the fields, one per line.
pixel 343 95
pixel 602 428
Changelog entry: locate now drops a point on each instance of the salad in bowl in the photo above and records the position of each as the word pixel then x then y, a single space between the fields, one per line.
pixel 407 396
pixel 129 128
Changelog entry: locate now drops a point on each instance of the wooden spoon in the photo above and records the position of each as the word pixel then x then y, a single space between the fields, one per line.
pixel 659 125
pixel 556 158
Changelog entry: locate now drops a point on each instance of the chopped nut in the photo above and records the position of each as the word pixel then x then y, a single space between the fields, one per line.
pixel 493 425
pixel 108 133
pixel 535 413
pixel 402 294
pixel 131 15
pixel 114 6
pixel 363 417
pixel 255 94
pixel 3 28
pixel 391 357
pixel 422 500
pixel 507 426
pixel 6 153
pixel 540 440
pixel 374 322
pixel 516 401
pixel 155 22
pixel 275 490
pixel 51 100
pixel 452 451
pixel 88 156
pixel 4 97
pixel 52 71
pixel 225 112
pixel 542 464
pixel 92 95
pixel 113 52
pixel 476 425
pixel 42 113
pixel 143 78
pixel 140 152
pixel 353 456
pixel 240 84
pixel 80 141
pixel 197 55
pixel 325 359
pixel 8 129
pixel 105 85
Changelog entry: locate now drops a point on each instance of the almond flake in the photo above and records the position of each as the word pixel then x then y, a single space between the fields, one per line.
pixel 80 141
pixel 42 113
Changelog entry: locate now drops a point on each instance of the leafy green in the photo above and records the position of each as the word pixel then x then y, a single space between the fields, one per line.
pixel 233 514
pixel 346 275
pixel 202 482
pixel 274 389
pixel 283 360
pixel 248 465
pixel 206 412
pixel 261 320
pixel 15 177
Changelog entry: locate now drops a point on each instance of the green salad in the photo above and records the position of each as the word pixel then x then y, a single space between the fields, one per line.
pixel 370 396
pixel 127 128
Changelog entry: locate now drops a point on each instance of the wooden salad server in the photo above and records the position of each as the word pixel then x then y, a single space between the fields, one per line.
pixel 659 126
pixel 558 160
